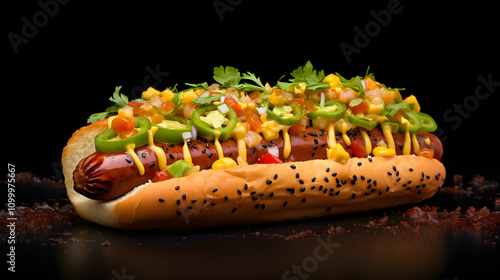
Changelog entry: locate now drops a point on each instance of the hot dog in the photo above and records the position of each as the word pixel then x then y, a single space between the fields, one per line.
pixel 317 146
pixel 107 176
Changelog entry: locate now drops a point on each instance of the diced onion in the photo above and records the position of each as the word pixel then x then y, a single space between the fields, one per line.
pixel 205 94
pixel 222 99
pixel 322 102
pixel 187 136
pixel 261 110
pixel 223 108
pixel 274 151
pixel 194 132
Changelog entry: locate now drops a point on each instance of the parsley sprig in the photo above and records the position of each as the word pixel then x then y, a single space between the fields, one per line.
pixel 308 75
pixel 120 101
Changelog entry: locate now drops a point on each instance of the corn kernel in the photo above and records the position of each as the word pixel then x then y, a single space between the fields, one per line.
pixel 384 152
pixel 332 79
pixel 224 163
pixel 188 96
pixel 277 100
pixel 199 91
pixel 412 100
pixel 149 92
pixel 126 112
pixel 166 95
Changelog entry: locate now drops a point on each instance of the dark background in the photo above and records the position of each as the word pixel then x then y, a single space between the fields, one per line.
pixel 70 67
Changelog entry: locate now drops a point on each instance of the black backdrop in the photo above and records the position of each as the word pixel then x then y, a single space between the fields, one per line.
pixel 63 60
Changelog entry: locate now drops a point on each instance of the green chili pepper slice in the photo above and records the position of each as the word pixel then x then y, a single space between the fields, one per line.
pixel 109 141
pixel 427 122
pixel 208 132
pixel 333 110
pixel 362 122
pixel 297 115
pixel 170 130
pixel 415 123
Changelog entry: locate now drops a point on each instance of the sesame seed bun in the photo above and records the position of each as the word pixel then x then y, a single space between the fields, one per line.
pixel 256 193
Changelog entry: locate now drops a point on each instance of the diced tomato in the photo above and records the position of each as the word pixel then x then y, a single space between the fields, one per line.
pixel 299 100
pixel 269 158
pixel 167 106
pixel 162 176
pixel 361 108
pixel 358 148
pixel 254 94
pixel 230 101
pixel 122 124
pixel 426 152
pixel 252 118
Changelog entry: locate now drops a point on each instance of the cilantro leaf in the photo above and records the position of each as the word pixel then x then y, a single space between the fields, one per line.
pixel 307 74
pixel 120 101
pixel 228 77
pixel 249 87
pixel 392 109
pixel 354 83
pixel 207 100
pixel 197 86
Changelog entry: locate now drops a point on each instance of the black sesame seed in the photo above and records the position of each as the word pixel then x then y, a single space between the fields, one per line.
pixel 369 180
pixel 275 176
pixel 213 203
pixel 411 169
pixel 315 141
pixel 177 188
pixel 424 185
pixel 264 146
pixel 313 154
pixel 362 177
pixel 152 165
pixel 269 182
pixel 334 174
pixel 353 182
pixel 398 179
pixel 285 203
pixel 313 187
pixel 320 188
pixel 419 191
pixel 355 177
pixel 257 206
pixel 204 200
pixel 328 209
pixel 193 200
pixel 369 186
pixel 330 194
pixel 178 212
pixel 315 147
pixel 210 154
pixel 178 201
pixel 297 175
pixel 325 190
pixel 337 193
pixel 369 159
pixel 161 199
pixel 328 169
pixel 344 182
pixel 389 173
pixel 293 166
pixel 254 198
pixel 204 151
pixel 304 199
pixel 128 160
pixel 190 207
pixel 171 156
pixel 234 210
pixel 302 189
pixel 326 179
pixel 380 193
pixel 301 181
pixel 409 188
pixel 253 151
pixel 360 163
pixel 207 145
pixel 171 145
pixel 230 154
pixel 404 185
pixel 252 193
pixel 263 206
pixel 143 155
pixel 353 195
pixel 397 173
pixel 375 183
pixel 239 191
pixel 214 190
pixel 225 197
pixel 394 168
pixel 184 196
pixel 246 187
pixel 367 193
pixel 271 194
pixel 388 188
pixel 313 179
pixel 409 182
pixel 261 194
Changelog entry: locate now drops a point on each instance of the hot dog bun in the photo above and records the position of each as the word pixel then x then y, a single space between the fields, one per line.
pixel 256 193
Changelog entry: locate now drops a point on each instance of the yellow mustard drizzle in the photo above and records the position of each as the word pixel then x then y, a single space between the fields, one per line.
pixel 331 135
pixel 387 131
pixel 159 152
pixel 217 144
pixel 346 139
pixel 239 132
pixel 222 162
pixel 368 142
pixel 287 148
pixel 407 142
pixel 416 146
pixel 130 150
